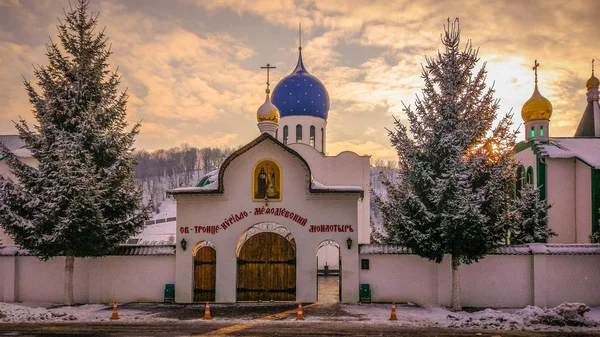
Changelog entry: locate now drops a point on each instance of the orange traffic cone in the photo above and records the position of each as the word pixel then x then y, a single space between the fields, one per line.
pixel 115 313
pixel 300 316
pixel 393 316
pixel 207 312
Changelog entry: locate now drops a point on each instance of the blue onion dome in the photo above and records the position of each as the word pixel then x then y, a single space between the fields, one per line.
pixel 301 94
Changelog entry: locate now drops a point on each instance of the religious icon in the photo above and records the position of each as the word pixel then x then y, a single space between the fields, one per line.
pixel 266 181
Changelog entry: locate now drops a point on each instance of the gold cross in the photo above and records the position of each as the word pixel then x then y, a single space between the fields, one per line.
pixel 268 67
pixel 535 66
pixel 593 67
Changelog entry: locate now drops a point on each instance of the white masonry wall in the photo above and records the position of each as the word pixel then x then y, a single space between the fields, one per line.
pixel 100 280
pixel 500 281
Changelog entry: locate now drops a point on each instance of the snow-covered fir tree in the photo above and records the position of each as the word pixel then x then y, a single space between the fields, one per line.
pixel 82 199
pixel 456 170
pixel 529 217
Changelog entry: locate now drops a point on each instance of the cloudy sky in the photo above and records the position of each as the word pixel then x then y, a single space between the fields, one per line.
pixel 193 66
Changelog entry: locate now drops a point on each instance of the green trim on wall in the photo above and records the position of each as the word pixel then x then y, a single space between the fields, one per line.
pixel 522 145
pixel 3 157
pixel 540 169
pixel 595 199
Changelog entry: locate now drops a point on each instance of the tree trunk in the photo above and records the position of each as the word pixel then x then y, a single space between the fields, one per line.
pixel 455 285
pixel 68 290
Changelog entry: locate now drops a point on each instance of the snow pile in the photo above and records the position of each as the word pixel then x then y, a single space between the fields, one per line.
pixel 566 314
pixel 486 319
pixel 17 313
pixel 23 313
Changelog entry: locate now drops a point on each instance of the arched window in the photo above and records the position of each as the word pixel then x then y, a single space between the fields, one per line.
pixel 277 134
pixel 520 180
pixel 298 133
pixel 285 134
pixel 529 176
pixel 542 131
pixel 322 141
pixel 311 141
pixel 532 132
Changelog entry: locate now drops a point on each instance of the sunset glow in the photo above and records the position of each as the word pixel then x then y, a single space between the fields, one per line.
pixel 192 67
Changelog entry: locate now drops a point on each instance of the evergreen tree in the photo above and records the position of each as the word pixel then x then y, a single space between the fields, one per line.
pixel 529 218
pixel 456 170
pixel 595 236
pixel 82 199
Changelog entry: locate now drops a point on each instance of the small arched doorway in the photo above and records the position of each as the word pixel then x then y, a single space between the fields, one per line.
pixel 205 272
pixel 266 264
pixel 329 272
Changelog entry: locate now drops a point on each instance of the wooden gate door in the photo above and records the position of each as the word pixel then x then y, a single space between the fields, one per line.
pixel 267 269
pixel 205 276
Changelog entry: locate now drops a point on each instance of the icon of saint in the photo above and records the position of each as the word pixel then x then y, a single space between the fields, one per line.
pixel 262 184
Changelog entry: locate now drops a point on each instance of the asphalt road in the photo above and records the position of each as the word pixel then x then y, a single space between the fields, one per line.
pixel 263 328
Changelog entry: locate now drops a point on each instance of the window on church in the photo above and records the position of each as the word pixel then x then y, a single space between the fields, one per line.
pixel 285 134
pixel 277 134
pixel 529 176
pixel 541 131
pixel 322 141
pixel 532 131
pixel 312 136
pixel 520 180
pixel 298 133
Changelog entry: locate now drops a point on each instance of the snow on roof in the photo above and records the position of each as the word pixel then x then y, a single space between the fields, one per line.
pixel 585 149
pixel 315 185
pixel 211 178
pixel 22 152
pixel 12 142
pixel 529 249
pixel 122 250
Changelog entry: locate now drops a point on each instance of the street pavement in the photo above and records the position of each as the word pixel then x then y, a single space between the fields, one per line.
pixel 250 319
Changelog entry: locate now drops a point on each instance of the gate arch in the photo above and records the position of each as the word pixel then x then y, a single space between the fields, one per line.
pixel 324 273
pixel 266 264
pixel 205 271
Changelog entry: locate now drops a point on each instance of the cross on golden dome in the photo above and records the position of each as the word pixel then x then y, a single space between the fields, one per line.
pixel 537 107
pixel 268 67
pixel 535 66
pixel 593 82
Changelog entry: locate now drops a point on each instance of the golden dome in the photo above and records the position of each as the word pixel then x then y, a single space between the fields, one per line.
pixel 267 112
pixel 537 107
pixel 593 82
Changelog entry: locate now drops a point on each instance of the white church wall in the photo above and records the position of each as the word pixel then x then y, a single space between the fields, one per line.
pixel 401 278
pixel 317 209
pixel 583 202
pixel 490 280
pixel 560 175
pixel 528 159
pixel 572 278
pixel 100 280
pixel 510 281
pixel 345 169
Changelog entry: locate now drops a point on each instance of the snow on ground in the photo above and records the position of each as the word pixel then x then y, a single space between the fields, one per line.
pixel 167 209
pixel 13 313
pixel 32 312
pixel 529 318
pixel 565 317
pixel 160 233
